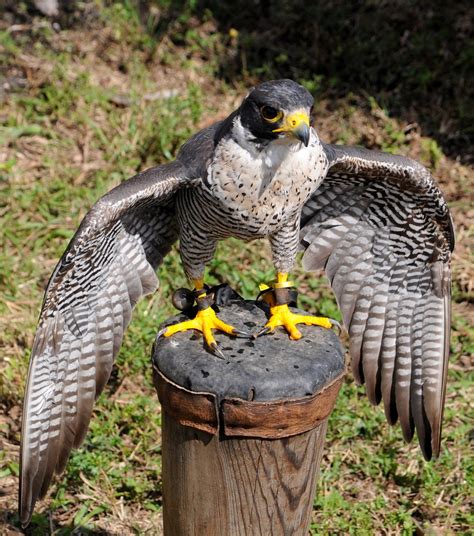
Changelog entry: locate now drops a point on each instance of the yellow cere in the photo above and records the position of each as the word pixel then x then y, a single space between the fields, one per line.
pixel 293 121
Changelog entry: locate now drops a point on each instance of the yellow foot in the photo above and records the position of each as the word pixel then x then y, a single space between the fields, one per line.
pixel 205 321
pixel 282 316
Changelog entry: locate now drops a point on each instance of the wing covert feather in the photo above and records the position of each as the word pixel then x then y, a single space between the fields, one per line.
pixel 109 264
pixel 380 228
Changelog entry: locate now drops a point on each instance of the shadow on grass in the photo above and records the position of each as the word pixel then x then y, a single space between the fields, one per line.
pixel 411 481
pixel 43 525
pixel 415 58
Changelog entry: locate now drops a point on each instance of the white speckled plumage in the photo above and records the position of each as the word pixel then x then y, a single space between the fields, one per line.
pixel 281 175
pixel 249 193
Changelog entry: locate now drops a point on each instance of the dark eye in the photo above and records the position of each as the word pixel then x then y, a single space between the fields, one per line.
pixel 270 114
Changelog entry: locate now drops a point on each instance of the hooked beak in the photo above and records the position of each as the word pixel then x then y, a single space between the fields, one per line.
pixel 302 132
pixel 297 124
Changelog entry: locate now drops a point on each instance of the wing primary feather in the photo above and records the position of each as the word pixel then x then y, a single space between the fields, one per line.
pixel 387 359
pixel 422 424
pixel 372 342
pixel 403 366
pixel 52 445
pixel 357 329
pixel 434 344
pixel 436 441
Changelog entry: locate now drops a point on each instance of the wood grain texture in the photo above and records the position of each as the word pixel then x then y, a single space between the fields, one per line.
pixel 238 487
pixel 243 436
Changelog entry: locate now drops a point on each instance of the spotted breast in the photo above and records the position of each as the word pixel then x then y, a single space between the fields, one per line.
pixel 254 191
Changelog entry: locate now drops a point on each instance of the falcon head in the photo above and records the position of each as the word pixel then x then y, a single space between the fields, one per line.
pixel 277 109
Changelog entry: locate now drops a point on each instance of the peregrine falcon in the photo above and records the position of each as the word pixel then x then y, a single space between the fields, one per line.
pixel 377 223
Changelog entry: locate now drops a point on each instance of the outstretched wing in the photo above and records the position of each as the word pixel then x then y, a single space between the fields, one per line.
pixel 381 229
pixel 109 264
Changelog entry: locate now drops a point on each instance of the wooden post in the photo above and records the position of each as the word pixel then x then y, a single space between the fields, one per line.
pixel 243 436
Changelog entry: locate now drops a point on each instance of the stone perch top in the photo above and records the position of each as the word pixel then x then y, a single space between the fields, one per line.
pixel 266 387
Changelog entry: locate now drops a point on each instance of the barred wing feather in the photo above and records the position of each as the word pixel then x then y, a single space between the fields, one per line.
pixel 109 264
pixel 381 229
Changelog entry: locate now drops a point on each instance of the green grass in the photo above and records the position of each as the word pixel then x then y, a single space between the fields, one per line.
pixel 65 143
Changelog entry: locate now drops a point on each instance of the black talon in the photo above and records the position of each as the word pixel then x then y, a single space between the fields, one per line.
pixel 243 334
pixel 264 331
pixel 216 351
pixel 161 333
pixel 336 324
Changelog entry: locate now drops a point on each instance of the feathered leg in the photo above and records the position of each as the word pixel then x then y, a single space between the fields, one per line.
pixel 280 314
pixel 206 320
pixel 284 244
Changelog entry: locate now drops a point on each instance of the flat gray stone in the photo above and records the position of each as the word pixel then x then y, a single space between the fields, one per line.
pixel 272 367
